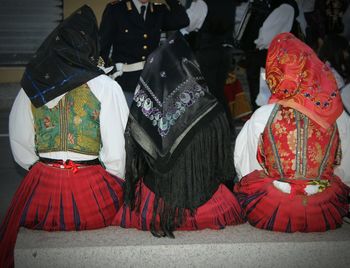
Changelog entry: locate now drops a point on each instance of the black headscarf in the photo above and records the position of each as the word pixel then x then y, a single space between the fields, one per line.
pixel 177 138
pixel 66 59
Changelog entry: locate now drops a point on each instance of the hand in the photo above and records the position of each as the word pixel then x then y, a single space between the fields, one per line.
pixel 312 189
pixel 282 186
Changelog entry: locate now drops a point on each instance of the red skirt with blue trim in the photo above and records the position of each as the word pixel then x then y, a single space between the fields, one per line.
pixel 55 199
pixel 269 208
pixel 221 210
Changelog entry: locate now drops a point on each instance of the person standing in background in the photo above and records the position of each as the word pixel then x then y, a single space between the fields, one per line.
pixel 132 29
pixel 196 11
pixel 323 17
pixel 312 19
pixel 214 47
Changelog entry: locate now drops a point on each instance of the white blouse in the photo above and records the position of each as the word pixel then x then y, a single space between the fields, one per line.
pixel 113 119
pixel 279 21
pixel 197 13
pixel 247 143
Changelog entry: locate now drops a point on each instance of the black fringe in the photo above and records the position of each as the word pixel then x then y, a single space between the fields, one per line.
pixel 199 165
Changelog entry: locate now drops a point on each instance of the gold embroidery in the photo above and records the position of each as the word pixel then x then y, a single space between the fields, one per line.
pixel 323 184
pixel 77 120
pixel 291 140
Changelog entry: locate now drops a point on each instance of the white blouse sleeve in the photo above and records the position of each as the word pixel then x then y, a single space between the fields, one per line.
pixel 247 141
pixel 345 96
pixel 343 170
pixel 113 118
pixel 279 21
pixel 21 131
pixel 196 13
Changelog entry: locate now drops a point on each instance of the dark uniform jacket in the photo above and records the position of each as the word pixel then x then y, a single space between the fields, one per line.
pixel 132 39
pixel 218 25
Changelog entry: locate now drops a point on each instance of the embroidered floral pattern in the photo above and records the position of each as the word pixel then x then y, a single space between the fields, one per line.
pixel 302 152
pixel 186 94
pixel 72 125
pixel 298 79
pixel 47 122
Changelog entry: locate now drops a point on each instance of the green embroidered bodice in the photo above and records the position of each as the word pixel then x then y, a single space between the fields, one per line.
pixel 72 125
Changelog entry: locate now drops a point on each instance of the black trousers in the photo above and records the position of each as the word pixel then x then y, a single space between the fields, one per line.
pixel 215 63
pixel 255 59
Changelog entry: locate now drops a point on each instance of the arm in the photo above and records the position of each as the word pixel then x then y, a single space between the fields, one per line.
pixel 21 131
pixel 175 18
pixel 107 29
pixel 247 141
pixel 279 21
pixel 196 14
pixel 345 96
pixel 113 118
pixel 264 90
pixel 343 170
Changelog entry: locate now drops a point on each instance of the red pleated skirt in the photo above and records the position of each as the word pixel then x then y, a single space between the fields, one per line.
pixel 221 210
pixel 54 199
pixel 269 208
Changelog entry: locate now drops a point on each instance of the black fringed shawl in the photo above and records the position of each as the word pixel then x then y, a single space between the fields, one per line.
pixel 66 59
pixel 177 138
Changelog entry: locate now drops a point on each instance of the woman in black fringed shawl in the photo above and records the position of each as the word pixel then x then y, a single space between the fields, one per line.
pixel 178 150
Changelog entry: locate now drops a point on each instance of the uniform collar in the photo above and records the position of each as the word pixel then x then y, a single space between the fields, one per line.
pixel 138 5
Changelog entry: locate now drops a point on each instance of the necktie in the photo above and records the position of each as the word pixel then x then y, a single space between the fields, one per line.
pixel 143 9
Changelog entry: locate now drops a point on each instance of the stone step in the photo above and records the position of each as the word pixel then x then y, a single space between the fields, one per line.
pixel 236 246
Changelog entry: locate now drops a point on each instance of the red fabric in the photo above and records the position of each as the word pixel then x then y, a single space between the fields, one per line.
pixel 293 149
pixel 55 199
pixel 230 92
pixel 298 79
pixel 286 128
pixel 297 187
pixel 221 210
pixel 236 98
pixel 70 165
pixel 269 208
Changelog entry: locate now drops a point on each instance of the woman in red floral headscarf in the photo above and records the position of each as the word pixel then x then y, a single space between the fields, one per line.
pixel 289 152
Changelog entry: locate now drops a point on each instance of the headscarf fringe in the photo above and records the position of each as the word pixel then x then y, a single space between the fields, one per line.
pixel 192 179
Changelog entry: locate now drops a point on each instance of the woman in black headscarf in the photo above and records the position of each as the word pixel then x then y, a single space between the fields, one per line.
pixel 67 119
pixel 178 149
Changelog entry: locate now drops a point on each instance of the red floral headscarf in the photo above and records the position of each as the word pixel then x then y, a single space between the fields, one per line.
pixel 299 79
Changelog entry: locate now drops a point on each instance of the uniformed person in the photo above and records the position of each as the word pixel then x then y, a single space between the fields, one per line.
pixel 132 28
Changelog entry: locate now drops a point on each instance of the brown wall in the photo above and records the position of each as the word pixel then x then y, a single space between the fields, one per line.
pixel 97 5
pixel 14 74
pixel 11 74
